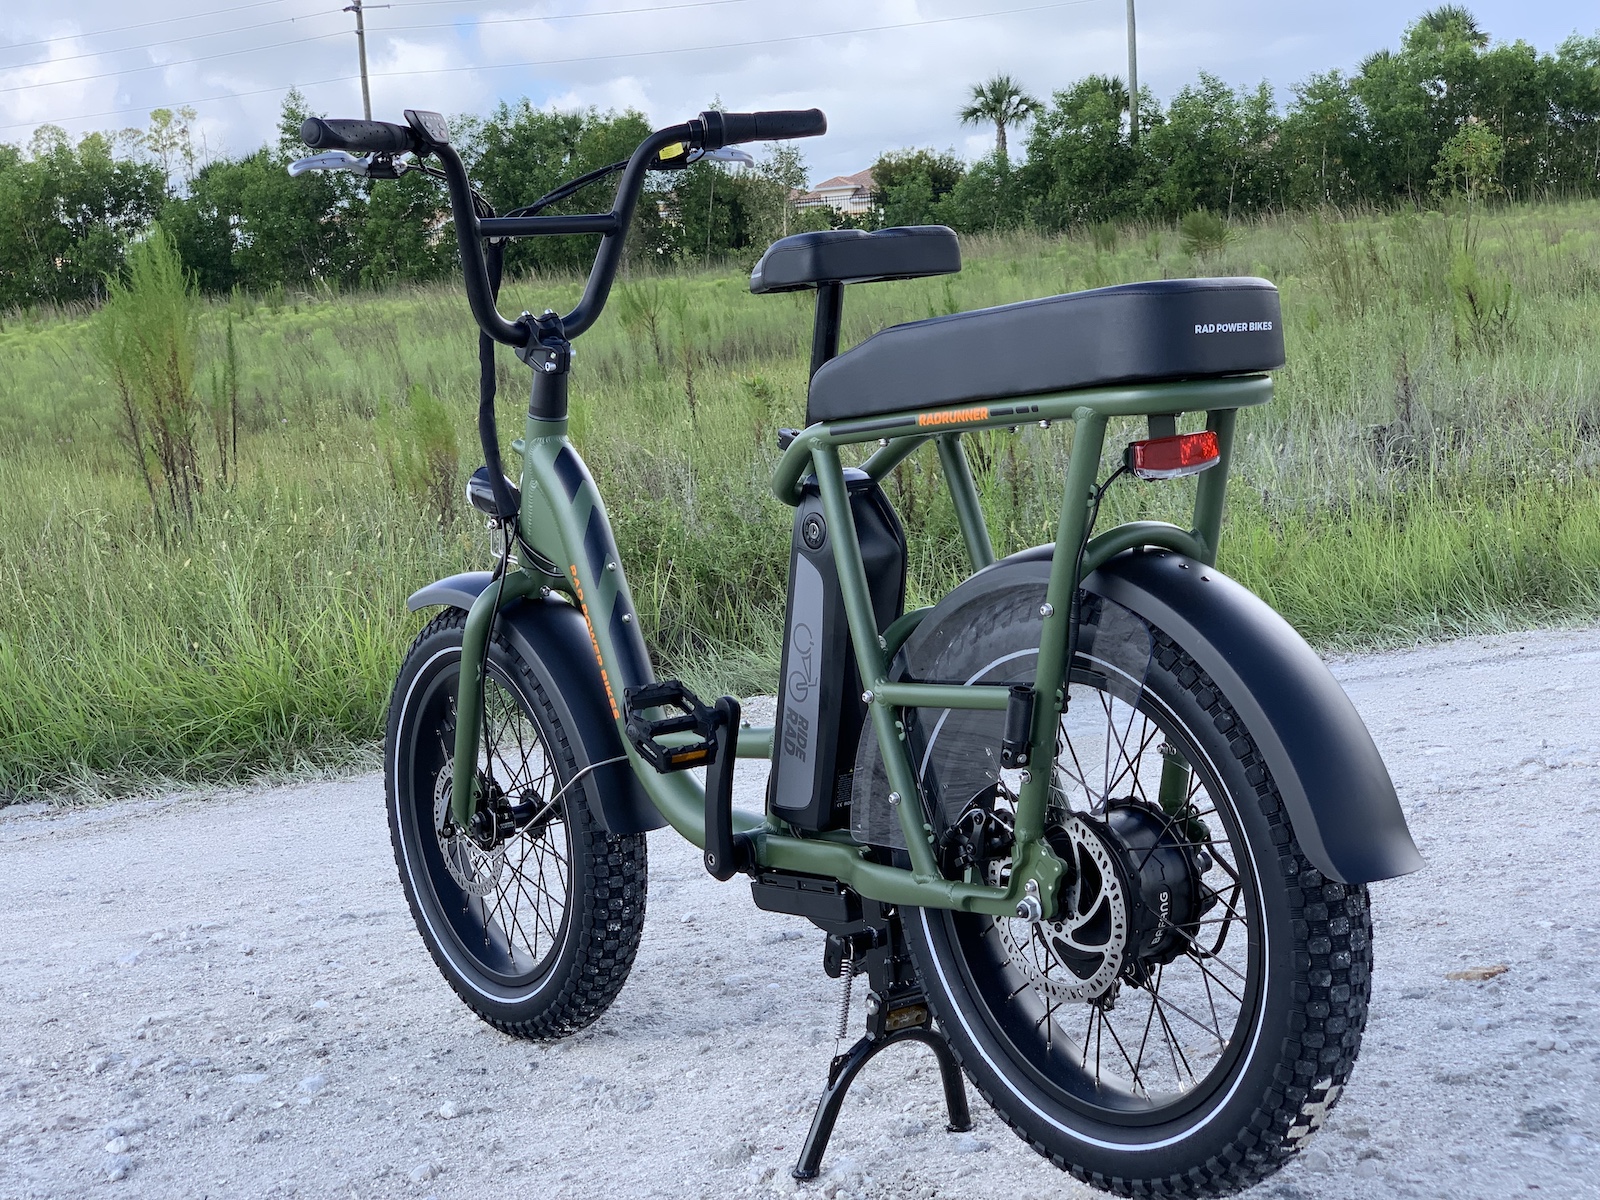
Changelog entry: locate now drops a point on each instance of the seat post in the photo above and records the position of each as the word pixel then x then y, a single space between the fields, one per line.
pixel 825 334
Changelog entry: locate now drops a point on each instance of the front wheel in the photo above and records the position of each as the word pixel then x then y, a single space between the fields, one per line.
pixel 1189 1014
pixel 534 916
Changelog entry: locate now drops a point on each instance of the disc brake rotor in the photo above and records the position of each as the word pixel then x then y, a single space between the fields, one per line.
pixel 1077 956
pixel 475 869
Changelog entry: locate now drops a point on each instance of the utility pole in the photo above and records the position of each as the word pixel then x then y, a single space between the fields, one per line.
pixel 361 49
pixel 1133 76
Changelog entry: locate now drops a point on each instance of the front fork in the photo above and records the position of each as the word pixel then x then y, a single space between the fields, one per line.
pixel 570 529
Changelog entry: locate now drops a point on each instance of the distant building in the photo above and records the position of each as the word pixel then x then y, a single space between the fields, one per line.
pixel 842 193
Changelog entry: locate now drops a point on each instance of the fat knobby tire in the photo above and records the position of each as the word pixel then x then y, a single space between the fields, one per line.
pixel 607 876
pixel 1329 972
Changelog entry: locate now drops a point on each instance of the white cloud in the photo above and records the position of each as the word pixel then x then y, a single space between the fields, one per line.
pixel 881 90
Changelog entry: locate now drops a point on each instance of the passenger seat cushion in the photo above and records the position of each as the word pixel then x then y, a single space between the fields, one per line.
pixel 1135 333
pixel 856 256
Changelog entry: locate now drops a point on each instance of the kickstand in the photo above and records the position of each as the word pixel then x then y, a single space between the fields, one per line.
pixel 844 1069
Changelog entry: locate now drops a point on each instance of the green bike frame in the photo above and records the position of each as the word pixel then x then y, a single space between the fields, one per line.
pixel 563 518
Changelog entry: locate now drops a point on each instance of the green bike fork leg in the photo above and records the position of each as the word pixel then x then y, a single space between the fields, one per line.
pixel 469 691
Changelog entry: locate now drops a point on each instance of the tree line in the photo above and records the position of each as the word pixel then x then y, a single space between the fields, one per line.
pixel 1446 113
pixel 68 212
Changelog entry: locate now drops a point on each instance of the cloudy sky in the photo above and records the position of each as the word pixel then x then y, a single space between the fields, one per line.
pixel 888 72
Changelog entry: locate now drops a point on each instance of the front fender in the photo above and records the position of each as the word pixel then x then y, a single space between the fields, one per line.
pixel 1328 771
pixel 550 636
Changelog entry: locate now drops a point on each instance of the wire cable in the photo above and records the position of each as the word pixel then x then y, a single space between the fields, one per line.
pixel 188 37
pixel 161 66
pixel 68 37
pixel 658 52
pixel 191 37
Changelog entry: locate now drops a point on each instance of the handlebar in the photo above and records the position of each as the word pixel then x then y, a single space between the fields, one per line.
pixel 548 336
pixel 728 129
pixel 379 137
pixel 710 131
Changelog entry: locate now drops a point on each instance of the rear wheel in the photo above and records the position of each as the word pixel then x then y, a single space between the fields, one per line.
pixel 534 915
pixel 1185 1020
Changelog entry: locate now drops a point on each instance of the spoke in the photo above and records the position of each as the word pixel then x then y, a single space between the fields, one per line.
pixel 1087 1031
pixel 1146 735
pixel 1082 775
pixel 1216 1031
pixel 1173 1049
pixel 543 888
pixel 1112 1030
pixel 1205 978
pixel 539 917
pixel 1099 1029
pixel 1111 729
pixel 1122 738
pixel 1206 971
pixel 1145 1037
pixel 528 944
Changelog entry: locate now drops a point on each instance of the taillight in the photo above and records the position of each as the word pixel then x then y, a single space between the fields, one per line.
pixel 1170 457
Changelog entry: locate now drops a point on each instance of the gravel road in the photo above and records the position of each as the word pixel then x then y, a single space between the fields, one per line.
pixel 224 996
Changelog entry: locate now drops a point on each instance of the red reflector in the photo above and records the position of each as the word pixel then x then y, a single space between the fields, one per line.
pixel 1170 457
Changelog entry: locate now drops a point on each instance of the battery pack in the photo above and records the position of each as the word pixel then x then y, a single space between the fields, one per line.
pixel 820 711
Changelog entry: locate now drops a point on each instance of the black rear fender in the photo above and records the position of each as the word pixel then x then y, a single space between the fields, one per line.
pixel 1328 771
pixel 551 637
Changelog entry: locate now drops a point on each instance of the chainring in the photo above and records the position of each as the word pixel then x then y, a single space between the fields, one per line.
pixel 1078 956
pixel 475 869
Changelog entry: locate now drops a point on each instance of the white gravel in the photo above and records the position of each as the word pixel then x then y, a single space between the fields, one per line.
pixel 224 996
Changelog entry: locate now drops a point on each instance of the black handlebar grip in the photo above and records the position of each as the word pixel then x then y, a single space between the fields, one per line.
pixel 379 137
pixel 728 129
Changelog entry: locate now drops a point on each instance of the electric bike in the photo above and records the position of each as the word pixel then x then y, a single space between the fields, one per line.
pixel 1097 826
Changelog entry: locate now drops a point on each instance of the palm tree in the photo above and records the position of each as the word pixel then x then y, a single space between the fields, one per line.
pixel 1455 19
pixel 1002 101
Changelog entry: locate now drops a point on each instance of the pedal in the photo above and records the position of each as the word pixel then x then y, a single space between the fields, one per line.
pixel 692 717
pixel 716 730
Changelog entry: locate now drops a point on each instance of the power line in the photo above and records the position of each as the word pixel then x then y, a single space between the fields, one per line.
pixel 548 62
pixel 68 37
pixel 191 37
pixel 615 12
pixel 178 62
pixel 309 16
pixel 188 37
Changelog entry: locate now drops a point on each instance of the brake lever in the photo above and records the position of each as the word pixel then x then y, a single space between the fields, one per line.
pixel 333 160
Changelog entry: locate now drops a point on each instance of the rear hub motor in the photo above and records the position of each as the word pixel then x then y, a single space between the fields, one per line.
pixel 1160 868
pixel 1128 903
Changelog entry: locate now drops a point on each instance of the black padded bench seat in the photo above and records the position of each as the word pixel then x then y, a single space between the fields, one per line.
pixel 1134 333
pixel 803 260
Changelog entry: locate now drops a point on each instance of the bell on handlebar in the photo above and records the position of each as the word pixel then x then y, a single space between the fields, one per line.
pixel 330 160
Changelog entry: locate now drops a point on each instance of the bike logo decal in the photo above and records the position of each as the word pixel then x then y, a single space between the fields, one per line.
pixel 1234 327
pixel 605 679
pixel 804 678
pixel 796 735
pixel 957 416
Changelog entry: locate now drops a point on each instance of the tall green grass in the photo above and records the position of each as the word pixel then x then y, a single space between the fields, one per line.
pixel 1428 468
